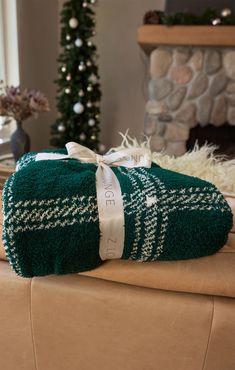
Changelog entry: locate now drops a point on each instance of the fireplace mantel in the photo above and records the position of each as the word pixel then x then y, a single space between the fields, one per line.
pixel 151 36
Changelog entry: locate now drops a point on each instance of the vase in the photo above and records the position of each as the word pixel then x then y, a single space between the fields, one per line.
pixel 20 142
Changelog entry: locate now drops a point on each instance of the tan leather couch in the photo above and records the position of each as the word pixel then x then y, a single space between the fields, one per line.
pixel 122 316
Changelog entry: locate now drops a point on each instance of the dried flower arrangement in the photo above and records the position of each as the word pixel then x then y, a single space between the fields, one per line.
pixel 21 104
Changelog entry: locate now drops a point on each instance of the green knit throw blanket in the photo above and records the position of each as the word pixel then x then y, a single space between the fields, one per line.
pixel 51 223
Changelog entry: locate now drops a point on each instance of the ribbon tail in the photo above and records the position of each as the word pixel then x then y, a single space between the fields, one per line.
pixel 111 213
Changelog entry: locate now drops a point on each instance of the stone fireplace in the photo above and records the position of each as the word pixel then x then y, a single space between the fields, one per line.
pixel 191 87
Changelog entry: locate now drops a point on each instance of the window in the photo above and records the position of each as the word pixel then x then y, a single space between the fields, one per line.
pixel 9 60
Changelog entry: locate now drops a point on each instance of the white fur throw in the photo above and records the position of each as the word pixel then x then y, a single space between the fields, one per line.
pixel 200 162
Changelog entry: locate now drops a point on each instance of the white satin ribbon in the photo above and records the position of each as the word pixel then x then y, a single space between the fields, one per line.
pixel 109 195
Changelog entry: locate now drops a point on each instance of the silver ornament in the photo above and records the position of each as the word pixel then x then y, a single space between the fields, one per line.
pixel 81 93
pixel 78 42
pixel 226 12
pixel 81 67
pixel 82 137
pixel 61 127
pixel 78 108
pixel 93 78
pixel 216 21
pixel 89 88
pixel 89 104
pixel 91 122
pixel 67 90
pixel 73 23
pixel 102 148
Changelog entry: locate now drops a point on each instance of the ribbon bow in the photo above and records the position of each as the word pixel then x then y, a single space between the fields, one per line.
pixel 109 195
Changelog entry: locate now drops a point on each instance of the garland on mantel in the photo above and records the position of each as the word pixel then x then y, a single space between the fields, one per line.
pixel 210 17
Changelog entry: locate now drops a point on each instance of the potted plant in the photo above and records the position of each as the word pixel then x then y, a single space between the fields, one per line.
pixel 21 104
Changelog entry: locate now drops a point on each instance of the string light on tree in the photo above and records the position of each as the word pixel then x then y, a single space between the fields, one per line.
pixel 89 104
pixel 81 93
pixel 85 4
pixel 68 37
pixel 61 127
pixel 67 90
pixel 89 88
pixel 82 67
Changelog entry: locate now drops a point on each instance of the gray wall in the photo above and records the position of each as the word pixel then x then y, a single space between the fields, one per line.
pixel 123 66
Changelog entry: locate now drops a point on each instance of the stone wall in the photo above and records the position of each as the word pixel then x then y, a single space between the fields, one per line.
pixel 188 86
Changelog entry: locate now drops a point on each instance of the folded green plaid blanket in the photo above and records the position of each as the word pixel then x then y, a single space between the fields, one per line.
pixel 51 223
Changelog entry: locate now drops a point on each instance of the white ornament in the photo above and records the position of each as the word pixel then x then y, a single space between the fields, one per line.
pixel 226 12
pixel 216 21
pixel 102 148
pixel 82 137
pixel 61 127
pixel 81 67
pixel 91 122
pixel 89 104
pixel 78 42
pixel 78 108
pixel 73 23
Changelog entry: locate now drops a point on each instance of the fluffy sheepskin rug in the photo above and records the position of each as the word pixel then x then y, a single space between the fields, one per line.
pixel 200 162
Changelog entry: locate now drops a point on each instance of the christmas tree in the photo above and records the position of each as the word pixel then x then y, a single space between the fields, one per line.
pixel 78 95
